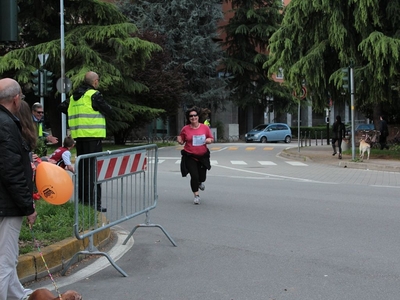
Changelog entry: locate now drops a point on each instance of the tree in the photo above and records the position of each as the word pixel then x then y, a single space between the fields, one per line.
pixel 319 38
pixel 190 30
pixel 97 37
pixel 247 37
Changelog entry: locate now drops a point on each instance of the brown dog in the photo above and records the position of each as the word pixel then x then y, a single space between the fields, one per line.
pixel 45 294
pixel 364 147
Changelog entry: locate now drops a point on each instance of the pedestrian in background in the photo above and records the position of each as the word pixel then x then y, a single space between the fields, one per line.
pixel 195 155
pixel 384 133
pixel 86 111
pixel 44 137
pixel 16 189
pixel 62 155
pixel 339 132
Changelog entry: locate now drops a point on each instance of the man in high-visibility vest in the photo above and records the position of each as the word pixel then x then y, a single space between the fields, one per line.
pixel 86 110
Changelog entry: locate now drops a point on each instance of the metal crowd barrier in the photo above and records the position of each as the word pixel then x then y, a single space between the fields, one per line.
pixel 126 182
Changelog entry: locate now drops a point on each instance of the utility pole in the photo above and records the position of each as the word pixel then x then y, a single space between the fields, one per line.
pixel 63 117
pixel 348 85
pixel 353 143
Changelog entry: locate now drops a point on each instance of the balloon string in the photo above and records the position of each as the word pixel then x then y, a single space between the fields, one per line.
pixel 45 264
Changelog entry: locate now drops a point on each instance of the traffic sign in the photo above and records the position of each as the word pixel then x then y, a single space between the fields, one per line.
pixel 67 85
pixel 303 93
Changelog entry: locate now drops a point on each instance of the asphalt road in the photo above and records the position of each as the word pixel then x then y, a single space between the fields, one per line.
pixel 266 228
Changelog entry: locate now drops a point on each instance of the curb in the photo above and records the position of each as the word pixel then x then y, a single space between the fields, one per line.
pixel 298 156
pixel 32 267
pixel 368 166
pixel 287 153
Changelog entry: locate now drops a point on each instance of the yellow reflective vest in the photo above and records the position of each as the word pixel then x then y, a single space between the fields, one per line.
pixel 83 120
pixel 40 129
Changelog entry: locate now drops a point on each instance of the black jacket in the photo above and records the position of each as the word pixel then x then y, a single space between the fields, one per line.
pixel 98 103
pixel 16 186
pixel 339 130
pixel 204 160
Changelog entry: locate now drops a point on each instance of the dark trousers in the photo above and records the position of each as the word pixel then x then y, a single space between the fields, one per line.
pixel 382 141
pixel 87 171
pixel 197 173
pixel 339 143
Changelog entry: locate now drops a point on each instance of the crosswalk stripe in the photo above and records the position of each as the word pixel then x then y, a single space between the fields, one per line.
pixel 238 162
pixel 268 148
pixel 250 148
pixel 267 163
pixel 296 163
pixel 214 162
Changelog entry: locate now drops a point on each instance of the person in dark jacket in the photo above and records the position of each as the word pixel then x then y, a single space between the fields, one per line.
pixel 384 132
pixel 339 132
pixel 16 189
pixel 86 111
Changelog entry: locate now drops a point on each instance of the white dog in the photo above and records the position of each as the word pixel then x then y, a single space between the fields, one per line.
pixel 364 147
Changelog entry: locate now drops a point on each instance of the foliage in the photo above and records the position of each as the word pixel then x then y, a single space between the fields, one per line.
pixel 190 31
pixel 319 38
pixel 164 92
pixel 54 223
pixel 97 37
pixel 41 147
pixel 220 130
pixel 248 33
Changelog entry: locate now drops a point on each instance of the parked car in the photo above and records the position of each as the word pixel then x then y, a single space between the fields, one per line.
pixel 364 127
pixel 274 132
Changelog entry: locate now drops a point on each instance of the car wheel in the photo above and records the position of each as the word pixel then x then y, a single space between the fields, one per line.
pixel 288 139
pixel 263 139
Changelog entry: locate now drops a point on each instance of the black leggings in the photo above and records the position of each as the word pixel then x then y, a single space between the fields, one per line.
pixel 339 143
pixel 197 173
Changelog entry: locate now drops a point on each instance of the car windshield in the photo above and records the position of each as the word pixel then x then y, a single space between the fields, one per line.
pixel 365 127
pixel 260 127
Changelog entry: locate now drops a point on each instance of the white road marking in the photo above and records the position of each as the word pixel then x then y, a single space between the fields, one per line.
pixel 238 162
pixel 267 163
pixel 296 163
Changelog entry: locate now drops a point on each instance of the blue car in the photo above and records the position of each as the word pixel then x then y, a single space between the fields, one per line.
pixel 364 127
pixel 274 132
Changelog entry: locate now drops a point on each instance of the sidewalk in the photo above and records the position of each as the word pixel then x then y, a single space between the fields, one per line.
pixel 323 155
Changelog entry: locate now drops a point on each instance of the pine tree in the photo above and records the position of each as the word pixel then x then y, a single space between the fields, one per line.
pixel 190 29
pixel 319 38
pixel 248 33
pixel 97 37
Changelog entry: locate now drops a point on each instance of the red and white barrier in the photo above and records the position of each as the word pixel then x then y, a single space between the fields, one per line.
pixel 112 167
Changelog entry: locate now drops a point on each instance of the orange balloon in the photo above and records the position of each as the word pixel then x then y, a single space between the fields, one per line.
pixel 53 183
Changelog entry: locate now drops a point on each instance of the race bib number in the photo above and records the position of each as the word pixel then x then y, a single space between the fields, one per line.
pixel 199 140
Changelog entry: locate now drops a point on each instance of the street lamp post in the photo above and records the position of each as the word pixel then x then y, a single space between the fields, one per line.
pixel 62 38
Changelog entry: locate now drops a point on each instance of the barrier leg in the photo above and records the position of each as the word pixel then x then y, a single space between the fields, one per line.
pixel 93 251
pixel 147 224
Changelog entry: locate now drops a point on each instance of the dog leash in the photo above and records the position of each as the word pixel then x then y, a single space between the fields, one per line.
pixel 45 264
